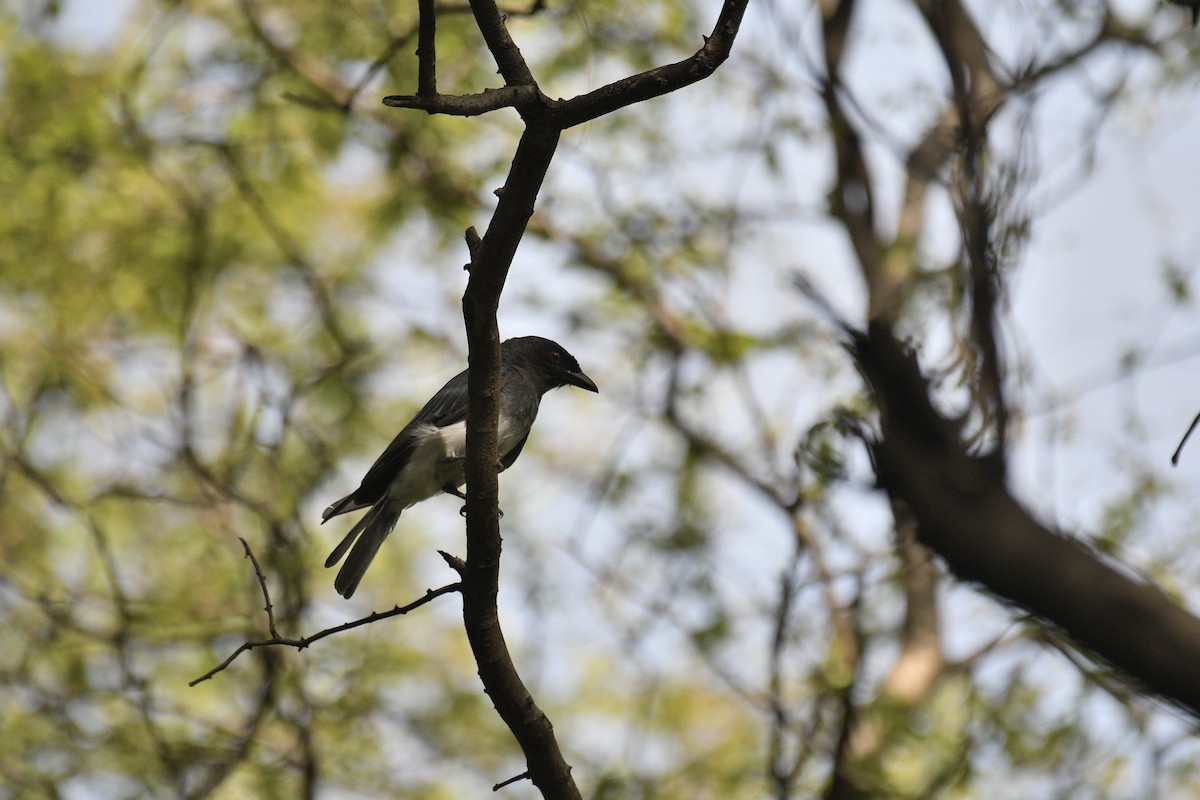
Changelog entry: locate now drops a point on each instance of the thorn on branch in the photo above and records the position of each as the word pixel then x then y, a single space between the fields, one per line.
pixel 522 777
pixel 473 243
pixel 455 563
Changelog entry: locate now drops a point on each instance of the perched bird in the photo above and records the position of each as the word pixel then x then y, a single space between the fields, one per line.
pixel 427 456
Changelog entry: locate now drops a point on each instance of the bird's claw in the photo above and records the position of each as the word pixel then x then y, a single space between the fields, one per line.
pixel 462 512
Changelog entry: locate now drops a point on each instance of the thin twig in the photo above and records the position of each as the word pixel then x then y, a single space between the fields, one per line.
pixel 1183 441
pixel 524 776
pixel 262 582
pixel 306 641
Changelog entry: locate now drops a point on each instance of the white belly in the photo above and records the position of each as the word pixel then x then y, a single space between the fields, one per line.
pixel 437 461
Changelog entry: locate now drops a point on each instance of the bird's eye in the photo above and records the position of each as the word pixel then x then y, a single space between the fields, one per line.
pixel 555 357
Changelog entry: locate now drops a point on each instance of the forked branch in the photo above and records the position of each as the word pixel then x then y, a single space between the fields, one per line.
pixel 491 257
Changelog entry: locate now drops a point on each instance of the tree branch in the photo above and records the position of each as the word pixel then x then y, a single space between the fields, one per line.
pixel 305 641
pixel 490 262
pixel 965 513
pixel 660 80
pixel 508 56
pixel 466 105
pixel 426 49
pixel 268 607
pixel 521 90
pixel 491 258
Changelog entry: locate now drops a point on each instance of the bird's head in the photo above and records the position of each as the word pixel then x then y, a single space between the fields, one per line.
pixel 548 360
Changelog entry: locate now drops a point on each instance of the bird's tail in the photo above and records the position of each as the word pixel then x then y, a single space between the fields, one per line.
pixel 370 531
pixel 345 505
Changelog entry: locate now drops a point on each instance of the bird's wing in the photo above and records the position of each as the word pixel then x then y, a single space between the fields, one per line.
pixel 446 407
pixel 508 458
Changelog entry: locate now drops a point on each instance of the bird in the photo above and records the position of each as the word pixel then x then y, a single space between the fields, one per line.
pixel 426 457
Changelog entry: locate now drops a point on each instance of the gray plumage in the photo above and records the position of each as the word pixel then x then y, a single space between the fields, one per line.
pixel 426 457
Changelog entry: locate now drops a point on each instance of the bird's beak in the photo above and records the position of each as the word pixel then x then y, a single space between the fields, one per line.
pixel 581 380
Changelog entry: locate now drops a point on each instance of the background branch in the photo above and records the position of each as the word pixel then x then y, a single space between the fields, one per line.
pixel 965 514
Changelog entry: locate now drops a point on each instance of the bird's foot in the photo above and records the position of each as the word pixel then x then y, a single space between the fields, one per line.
pixel 450 488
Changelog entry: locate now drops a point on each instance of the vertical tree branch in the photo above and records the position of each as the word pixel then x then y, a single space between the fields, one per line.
pixel 490 262
pixel 504 50
pixel 427 49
